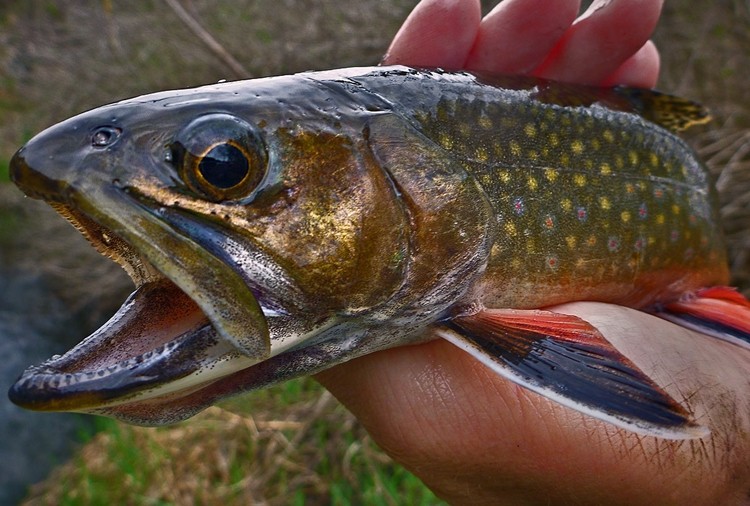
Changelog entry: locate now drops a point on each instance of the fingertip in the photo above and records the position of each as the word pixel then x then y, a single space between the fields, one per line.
pixel 437 33
pixel 601 40
pixel 640 70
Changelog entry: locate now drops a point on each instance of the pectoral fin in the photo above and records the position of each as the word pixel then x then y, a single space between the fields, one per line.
pixel 719 311
pixel 566 359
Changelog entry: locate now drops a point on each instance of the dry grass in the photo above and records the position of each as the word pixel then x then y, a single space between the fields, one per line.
pixel 310 451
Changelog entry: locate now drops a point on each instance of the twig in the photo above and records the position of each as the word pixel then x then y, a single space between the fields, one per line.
pixel 212 44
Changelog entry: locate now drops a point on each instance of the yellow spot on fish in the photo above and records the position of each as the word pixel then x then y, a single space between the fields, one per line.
pixel 605 169
pixel 633 157
pixel 608 136
pixel 653 160
pixel 566 205
pixel 485 122
pixel 532 155
pixel 446 141
pixel 530 130
pixel 604 203
pixel 515 148
pixel 579 180
pixel 510 229
pixel 675 209
pixel 516 264
pixel 551 174
pixel 532 183
pixel 660 219
pixel 481 154
pixel 565 160
pixel 571 240
pixel 629 188
pixel 619 161
pixel 588 163
pixel 595 144
pixel 530 246
pixel 651 240
pixel 625 216
pixel 591 241
pixel 553 139
pixel 577 147
pixel 504 176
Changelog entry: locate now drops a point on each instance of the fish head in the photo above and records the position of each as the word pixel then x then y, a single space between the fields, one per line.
pixel 246 228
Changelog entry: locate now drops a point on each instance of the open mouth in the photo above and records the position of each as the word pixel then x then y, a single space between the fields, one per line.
pixel 159 347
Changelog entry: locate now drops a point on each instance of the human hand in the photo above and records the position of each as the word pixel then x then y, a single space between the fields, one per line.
pixel 475 438
pixel 606 45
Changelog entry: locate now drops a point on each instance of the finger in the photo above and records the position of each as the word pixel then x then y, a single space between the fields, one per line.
pixel 641 69
pixel 437 33
pixel 601 40
pixel 516 35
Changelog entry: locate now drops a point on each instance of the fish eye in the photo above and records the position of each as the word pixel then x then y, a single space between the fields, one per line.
pixel 219 156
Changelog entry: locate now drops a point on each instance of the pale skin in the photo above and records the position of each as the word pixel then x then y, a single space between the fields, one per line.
pixel 475 438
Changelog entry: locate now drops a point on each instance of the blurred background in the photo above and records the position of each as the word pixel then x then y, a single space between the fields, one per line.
pixel 291 444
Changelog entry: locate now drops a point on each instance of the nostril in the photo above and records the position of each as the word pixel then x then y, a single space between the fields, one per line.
pixel 105 136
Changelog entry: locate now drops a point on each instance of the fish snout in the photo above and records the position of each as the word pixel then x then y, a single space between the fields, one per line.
pixel 32 181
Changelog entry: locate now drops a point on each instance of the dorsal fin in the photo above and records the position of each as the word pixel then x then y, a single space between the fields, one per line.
pixel 668 111
pixel 671 112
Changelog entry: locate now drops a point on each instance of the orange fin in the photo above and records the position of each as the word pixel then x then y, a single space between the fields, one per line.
pixel 718 311
pixel 567 360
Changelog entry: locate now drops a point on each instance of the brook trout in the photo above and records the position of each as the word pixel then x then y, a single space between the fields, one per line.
pixel 276 227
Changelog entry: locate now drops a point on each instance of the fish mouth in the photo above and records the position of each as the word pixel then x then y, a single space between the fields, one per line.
pixel 161 345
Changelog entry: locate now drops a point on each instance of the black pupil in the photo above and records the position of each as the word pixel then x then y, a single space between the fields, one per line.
pixel 224 166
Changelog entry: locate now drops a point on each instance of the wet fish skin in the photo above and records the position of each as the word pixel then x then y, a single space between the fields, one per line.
pixel 344 212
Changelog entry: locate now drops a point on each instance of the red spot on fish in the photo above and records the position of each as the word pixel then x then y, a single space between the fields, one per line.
pixel 581 213
pixel 639 244
pixel 552 263
pixel 674 235
pixel 613 244
pixel 658 193
pixel 549 222
pixel 642 211
pixel 518 206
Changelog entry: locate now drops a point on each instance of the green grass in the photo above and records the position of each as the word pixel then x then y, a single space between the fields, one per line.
pixel 288 445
